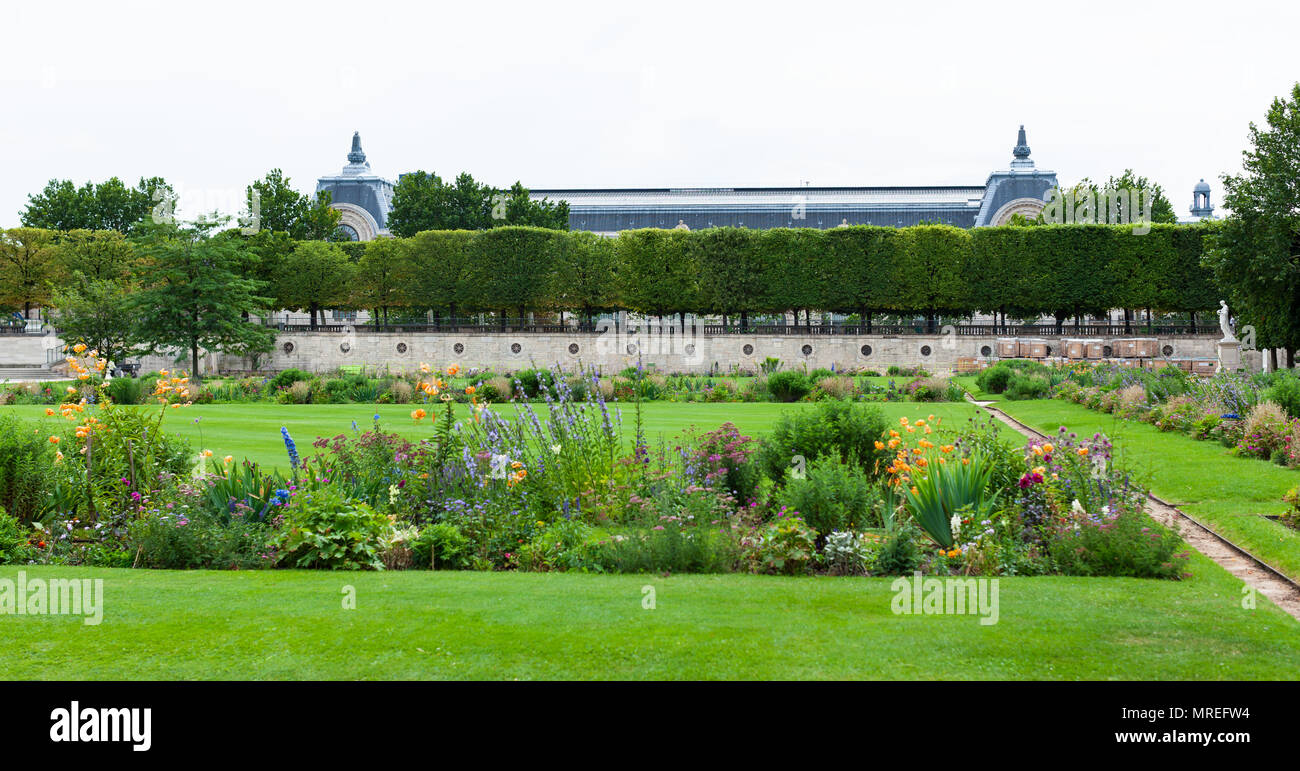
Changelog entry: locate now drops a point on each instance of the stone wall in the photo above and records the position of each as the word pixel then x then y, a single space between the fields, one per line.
pixel 613 350
pixel 323 351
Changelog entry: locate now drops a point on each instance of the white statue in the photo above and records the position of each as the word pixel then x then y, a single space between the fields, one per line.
pixel 1228 337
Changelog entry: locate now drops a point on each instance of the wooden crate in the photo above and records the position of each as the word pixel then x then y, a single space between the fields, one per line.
pixel 1075 349
pixel 1096 350
pixel 1008 349
pixel 1183 364
pixel 968 364
pixel 1204 367
pixel 1136 347
pixel 1033 349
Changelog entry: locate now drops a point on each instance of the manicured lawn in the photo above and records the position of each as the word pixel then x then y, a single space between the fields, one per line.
pixel 420 624
pixel 253 430
pixel 1227 493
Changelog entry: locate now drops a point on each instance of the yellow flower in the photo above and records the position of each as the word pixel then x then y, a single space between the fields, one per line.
pixel 79 347
pixel 1040 470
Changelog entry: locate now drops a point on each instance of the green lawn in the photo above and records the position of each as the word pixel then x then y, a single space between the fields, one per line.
pixel 416 625
pixel 1227 493
pixel 253 430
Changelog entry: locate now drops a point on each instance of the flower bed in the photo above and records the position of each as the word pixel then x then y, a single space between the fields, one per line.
pixel 832 489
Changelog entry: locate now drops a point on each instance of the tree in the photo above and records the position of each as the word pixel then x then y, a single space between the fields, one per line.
pixel 586 277
pixel 733 280
pixel 1255 253
pixel 423 201
pixel 929 273
pixel 855 272
pixel 314 276
pixel 193 297
pixel 273 205
pixel 95 254
pixel 26 267
pixel 383 276
pixel 110 205
pixel 795 258
pixel 657 271
pixel 511 269
pixel 97 312
pixel 438 263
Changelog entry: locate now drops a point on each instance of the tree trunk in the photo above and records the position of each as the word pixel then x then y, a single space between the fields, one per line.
pixel 194 362
pixel 744 321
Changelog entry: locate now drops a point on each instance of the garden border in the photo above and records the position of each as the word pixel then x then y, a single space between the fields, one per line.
pixel 1253 571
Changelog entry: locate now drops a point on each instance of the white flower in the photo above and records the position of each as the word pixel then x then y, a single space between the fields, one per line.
pixel 555 448
pixel 955 524
pixel 1077 507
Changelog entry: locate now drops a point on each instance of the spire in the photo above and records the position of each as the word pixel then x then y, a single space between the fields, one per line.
pixel 1021 161
pixel 1022 145
pixel 356 156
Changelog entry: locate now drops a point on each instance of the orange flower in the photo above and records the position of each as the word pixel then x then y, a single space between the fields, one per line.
pixel 54 440
pixel 453 370
pixel 965 461
pixel 1083 451
pixel 879 445
pixel 469 390
pixel 418 415
pixel 1047 448
pixel 947 448
pixel 49 412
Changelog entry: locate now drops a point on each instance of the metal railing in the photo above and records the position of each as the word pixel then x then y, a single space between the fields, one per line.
pixel 517 326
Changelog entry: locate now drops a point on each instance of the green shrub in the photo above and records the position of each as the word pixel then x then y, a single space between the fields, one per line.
pixel 442 546
pixel 535 382
pixel 14 549
pixel 200 541
pixel 1027 387
pixel 995 379
pixel 325 529
pixel 1285 393
pixel 833 496
pixel 846 429
pixel 898 555
pixel 125 390
pixel 288 377
pixel 1131 545
pixel 26 469
pixel 786 545
pixel 788 385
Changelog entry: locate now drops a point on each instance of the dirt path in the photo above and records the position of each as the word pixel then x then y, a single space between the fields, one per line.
pixel 1282 591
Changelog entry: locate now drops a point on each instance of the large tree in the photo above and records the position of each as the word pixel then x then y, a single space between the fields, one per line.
pixel 273 205
pixel 110 205
pixel 97 312
pixel 95 254
pixel 26 267
pixel 383 276
pixel 192 296
pixel 424 201
pixel 316 275
pixel 1255 255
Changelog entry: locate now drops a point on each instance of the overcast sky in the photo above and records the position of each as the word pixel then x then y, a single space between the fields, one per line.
pixel 608 94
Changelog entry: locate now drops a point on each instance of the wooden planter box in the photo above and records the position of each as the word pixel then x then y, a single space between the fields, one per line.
pixel 1033 349
pixel 1008 349
pixel 1138 348
pixel 1204 367
pixel 1083 349
pixel 967 364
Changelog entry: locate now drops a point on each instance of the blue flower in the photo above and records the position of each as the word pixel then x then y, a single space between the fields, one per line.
pixel 290 447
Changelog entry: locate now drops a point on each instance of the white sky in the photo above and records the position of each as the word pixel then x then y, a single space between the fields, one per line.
pixel 609 94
